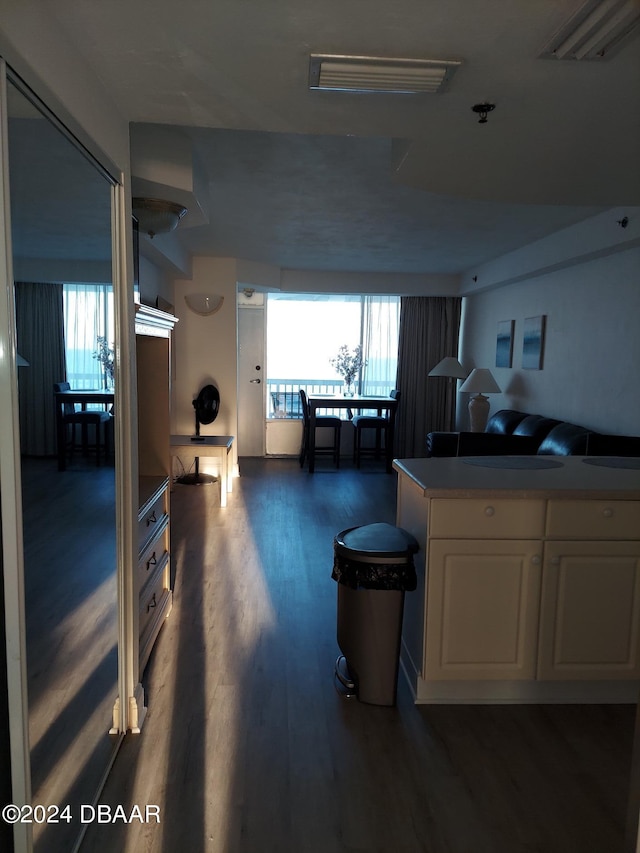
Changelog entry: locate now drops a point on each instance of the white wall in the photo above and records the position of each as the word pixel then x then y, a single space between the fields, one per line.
pixel 154 283
pixel 592 348
pixel 205 352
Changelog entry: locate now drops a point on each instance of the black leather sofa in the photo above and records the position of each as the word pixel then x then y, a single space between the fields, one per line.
pixel 514 433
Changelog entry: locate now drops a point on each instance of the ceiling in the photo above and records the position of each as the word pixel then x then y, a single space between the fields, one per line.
pixel 394 183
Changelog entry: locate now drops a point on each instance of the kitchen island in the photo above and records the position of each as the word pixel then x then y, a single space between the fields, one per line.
pixel 528 578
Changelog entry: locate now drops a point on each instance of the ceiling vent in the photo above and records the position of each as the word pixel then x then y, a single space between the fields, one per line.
pixel 377 74
pixel 595 31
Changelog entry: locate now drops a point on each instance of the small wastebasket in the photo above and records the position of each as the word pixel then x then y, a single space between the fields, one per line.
pixel 373 566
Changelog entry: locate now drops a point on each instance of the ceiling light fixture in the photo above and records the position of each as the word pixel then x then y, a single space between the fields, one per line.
pixel 594 31
pixel 156 215
pixel 483 111
pixel 378 74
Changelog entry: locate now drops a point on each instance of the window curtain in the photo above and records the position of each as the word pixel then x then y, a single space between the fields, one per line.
pixel 429 328
pixel 380 324
pixel 88 313
pixel 40 338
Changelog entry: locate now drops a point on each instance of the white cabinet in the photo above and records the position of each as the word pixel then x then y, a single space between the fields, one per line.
pixel 590 606
pixel 529 583
pixel 152 582
pixel 153 575
pixel 482 609
pixel 483 588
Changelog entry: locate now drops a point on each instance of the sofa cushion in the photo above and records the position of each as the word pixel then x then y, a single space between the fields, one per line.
pixel 565 440
pixel 493 444
pixel 613 445
pixel 505 421
pixel 536 426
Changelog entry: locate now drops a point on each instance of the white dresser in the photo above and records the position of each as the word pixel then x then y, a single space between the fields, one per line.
pixel 529 579
pixel 153 356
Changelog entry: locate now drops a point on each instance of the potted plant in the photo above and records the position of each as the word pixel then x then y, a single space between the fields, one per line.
pixel 348 363
pixel 105 354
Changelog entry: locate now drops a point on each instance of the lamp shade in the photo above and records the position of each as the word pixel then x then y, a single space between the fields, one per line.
pixel 450 367
pixel 480 381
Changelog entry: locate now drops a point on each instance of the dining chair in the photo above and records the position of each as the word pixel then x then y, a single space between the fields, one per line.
pixel 380 424
pixel 72 418
pixel 324 422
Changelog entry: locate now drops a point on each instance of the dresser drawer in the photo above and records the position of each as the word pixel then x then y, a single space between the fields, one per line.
pixel 152 517
pixel 593 519
pixel 156 554
pixel 152 601
pixel 486 518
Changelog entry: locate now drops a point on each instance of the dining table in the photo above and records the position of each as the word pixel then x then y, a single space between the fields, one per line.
pixel 81 397
pixel 354 404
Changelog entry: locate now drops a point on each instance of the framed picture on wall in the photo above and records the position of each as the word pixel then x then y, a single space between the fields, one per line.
pixel 533 343
pixel 504 343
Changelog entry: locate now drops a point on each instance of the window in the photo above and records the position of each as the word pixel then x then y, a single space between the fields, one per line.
pixel 88 314
pixel 305 331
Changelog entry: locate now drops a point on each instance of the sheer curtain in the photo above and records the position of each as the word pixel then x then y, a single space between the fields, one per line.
pixel 40 339
pixel 380 326
pixel 429 328
pixel 88 313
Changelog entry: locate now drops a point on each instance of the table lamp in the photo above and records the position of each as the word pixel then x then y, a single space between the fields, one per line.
pixel 479 382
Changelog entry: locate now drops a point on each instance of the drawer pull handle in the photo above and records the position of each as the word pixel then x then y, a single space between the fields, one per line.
pixel 152 603
pixel 152 561
pixel 536 559
pixel 151 519
pixel 555 561
pixel 608 512
pixel 489 511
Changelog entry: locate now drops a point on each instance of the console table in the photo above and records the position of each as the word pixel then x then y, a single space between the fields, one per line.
pixel 528 578
pixel 208 445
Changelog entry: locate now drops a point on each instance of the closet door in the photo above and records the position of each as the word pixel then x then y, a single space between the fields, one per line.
pixel 61 563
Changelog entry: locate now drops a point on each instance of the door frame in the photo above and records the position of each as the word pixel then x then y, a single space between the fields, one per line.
pixel 256 304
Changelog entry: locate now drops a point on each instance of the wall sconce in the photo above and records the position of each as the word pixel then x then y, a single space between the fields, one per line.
pixel 204 303
pixel 156 215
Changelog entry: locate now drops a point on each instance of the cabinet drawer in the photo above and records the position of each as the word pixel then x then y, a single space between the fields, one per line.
pixel 593 519
pixel 156 554
pixel 486 518
pixel 151 518
pixel 152 600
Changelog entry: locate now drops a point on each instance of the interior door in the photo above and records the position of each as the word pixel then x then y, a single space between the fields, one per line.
pixel 251 381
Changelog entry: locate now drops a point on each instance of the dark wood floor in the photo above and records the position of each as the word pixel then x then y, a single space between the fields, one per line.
pixel 71 635
pixel 248 748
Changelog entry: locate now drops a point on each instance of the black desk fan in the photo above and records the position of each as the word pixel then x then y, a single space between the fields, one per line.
pixel 206 406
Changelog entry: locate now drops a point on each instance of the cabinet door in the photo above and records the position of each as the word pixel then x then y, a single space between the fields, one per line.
pixel 482 609
pixel 590 611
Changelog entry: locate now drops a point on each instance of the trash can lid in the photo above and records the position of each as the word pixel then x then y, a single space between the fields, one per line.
pixel 376 540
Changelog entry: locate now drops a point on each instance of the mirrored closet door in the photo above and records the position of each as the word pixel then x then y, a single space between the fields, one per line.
pixel 60 203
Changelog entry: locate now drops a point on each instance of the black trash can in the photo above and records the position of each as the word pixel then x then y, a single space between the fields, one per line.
pixel 373 566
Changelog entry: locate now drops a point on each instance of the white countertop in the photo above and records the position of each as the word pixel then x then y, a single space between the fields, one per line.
pixel 574 477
